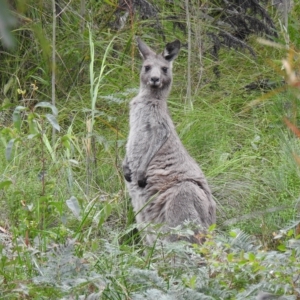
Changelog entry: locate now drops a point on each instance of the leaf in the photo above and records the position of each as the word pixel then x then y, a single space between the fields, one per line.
pixel 74 206
pixel 44 43
pixel 49 147
pixel 110 2
pixel 17 121
pixel 33 128
pixel 192 282
pixel 17 117
pixel 251 256
pixel 7 21
pixel 66 141
pixel 230 257
pixel 73 161
pixel 53 121
pixel 212 227
pixel 19 108
pixel 8 85
pixel 282 248
pixel 47 105
pixel 9 148
pixel 31 136
pixel 255 141
pixel 233 234
pixel 40 79
pixel 5 104
pixel 103 214
pixel 5 183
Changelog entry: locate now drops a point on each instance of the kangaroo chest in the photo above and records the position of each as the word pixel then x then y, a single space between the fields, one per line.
pixel 146 116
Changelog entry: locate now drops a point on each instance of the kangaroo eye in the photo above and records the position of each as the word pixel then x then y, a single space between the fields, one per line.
pixel 165 69
pixel 147 68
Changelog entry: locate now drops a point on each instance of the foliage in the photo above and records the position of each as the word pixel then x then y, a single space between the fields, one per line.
pixel 226 266
pixel 67 229
pixel 225 23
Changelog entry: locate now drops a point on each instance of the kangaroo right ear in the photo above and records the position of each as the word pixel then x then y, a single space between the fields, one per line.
pixel 171 51
pixel 145 51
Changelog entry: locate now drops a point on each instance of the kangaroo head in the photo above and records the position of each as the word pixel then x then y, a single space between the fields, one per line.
pixel 156 72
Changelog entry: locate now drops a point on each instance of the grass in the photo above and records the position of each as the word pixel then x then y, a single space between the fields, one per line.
pixel 71 233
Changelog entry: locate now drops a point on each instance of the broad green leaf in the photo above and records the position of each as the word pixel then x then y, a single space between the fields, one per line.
pixel 4 184
pixel 193 281
pixel 229 257
pixel 9 148
pixel 110 3
pixel 73 161
pixel 103 214
pixel 8 85
pixel 17 121
pixel 40 79
pixel 5 104
pixel 53 121
pixel 74 206
pixel 49 147
pixel 33 128
pixel 17 117
pixel 282 248
pixel 66 141
pixel 251 256
pixel 19 108
pixel 212 227
pixel 47 105
pixel 233 234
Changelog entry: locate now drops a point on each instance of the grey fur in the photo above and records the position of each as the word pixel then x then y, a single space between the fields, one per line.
pixel 165 184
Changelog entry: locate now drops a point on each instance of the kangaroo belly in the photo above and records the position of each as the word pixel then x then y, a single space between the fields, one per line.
pixel 172 163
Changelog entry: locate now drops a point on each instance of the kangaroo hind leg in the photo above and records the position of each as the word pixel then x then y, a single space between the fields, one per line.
pixel 188 202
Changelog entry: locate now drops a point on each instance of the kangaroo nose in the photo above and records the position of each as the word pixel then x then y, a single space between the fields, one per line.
pixel 154 79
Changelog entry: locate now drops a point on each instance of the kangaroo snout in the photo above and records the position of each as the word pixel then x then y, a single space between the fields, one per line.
pixel 155 81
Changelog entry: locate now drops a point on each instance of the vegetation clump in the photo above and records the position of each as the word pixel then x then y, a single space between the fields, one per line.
pixel 67 72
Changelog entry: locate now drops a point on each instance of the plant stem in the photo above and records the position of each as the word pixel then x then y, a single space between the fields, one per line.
pixel 188 91
pixel 53 62
pixel 82 14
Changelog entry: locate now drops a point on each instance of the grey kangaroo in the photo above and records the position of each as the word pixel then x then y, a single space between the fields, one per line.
pixel 165 184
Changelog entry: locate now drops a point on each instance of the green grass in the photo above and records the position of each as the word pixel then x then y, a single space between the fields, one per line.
pixel 50 251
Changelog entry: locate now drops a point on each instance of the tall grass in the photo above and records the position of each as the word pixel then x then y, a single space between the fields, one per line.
pixel 67 227
pixel 94 90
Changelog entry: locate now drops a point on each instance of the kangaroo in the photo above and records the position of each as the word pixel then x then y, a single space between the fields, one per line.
pixel 165 184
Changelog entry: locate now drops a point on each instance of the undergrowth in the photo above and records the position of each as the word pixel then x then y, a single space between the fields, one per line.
pixel 226 266
pixel 66 223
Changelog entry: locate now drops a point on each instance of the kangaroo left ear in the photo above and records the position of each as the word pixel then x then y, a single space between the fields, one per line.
pixel 171 51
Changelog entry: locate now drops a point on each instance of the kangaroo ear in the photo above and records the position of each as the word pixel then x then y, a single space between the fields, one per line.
pixel 171 51
pixel 145 51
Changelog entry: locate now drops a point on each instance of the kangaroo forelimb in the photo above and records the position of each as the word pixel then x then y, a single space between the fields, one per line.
pixel 126 170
